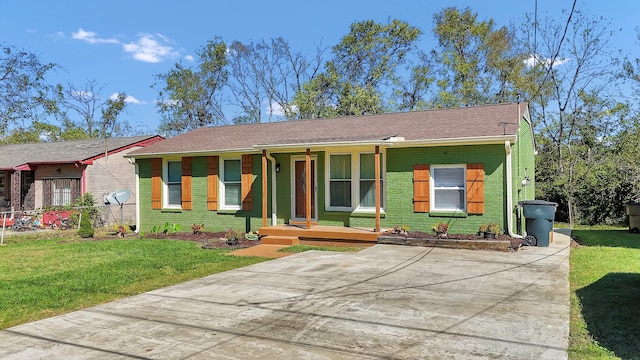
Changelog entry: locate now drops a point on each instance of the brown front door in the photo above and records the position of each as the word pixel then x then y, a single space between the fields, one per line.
pixel 301 191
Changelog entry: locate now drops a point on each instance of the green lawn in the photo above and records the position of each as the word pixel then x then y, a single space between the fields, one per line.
pixel 40 278
pixel 605 295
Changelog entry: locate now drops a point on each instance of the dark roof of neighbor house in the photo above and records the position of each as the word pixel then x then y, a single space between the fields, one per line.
pixel 438 124
pixel 15 155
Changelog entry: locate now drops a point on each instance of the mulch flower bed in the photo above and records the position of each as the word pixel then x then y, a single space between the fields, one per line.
pixel 207 240
pixel 468 241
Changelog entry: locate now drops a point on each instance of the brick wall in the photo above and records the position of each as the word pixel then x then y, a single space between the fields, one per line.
pixel 111 173
pixel 399 187
pixel 213 220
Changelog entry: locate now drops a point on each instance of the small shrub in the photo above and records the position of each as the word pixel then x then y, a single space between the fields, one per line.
pixel 197 228
pixel 233 237
pixel 404 229
pixel 493 228
pixel 440 228
pixel 86 229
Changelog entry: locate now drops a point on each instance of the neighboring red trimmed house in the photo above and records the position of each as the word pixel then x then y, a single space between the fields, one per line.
pixel 37 175
pixel 465 167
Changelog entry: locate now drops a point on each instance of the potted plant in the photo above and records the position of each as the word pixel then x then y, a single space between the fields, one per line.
pixel 493 229
pixel 441 229
pixel 400 230
pixel 233 237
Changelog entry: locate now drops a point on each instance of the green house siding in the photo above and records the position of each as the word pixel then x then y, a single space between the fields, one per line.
pixel 523 161
pixel 213 220
pixel 399 186
pixel 398 190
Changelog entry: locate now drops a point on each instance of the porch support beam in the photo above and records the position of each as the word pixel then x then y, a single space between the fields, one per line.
pixel 307 185
pixel 264 188
pixel 377 177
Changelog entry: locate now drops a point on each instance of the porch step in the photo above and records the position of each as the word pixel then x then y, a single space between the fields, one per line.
pixel 280 240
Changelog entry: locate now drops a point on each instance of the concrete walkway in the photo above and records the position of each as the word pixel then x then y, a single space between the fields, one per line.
pixel 391 302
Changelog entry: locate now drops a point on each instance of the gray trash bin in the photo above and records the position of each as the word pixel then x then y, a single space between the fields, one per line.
pixel 539 215
pixel 633 210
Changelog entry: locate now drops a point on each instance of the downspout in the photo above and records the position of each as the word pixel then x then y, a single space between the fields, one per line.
pixel 274 204
pixel 507 148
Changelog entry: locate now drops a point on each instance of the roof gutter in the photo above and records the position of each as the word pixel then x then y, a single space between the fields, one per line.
pixel 480 140
pixel 191 153
pixel 394 141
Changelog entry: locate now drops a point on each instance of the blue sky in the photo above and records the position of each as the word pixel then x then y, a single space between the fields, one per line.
pixel 123 44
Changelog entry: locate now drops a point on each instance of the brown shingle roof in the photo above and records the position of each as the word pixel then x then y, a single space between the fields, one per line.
pixel 457 123
pixel 62 152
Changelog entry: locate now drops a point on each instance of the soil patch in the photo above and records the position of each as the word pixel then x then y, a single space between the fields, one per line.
pixel 206 240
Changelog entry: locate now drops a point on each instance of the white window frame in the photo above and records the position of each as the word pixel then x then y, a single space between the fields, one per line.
pixel 433 189
pixel 328 184
pixel 355 182
pixel 223 205
pixel 165 183
pixel 359 207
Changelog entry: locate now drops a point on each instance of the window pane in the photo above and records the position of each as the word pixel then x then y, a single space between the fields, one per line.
pixel 449 199
pixel 340 193
pixel 175 194
pixel 232 194
pixel 232 171
pixel 174 171
pixel 448 177
pixel 340 167
pixel 368 193
pixel 367 166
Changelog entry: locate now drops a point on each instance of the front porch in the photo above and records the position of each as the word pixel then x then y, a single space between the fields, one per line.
pixel 317 235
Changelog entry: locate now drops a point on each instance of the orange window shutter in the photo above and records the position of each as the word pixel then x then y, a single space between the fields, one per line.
pixel 421 178
pixel 186 183
pixel 475 188
pixel 247 182
pixel 156 183
pixel 212 182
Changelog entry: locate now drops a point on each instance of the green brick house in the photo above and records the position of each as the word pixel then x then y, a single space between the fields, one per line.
pixel 464 166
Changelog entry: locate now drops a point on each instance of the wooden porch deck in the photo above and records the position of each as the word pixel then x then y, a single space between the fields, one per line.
pixel 318 235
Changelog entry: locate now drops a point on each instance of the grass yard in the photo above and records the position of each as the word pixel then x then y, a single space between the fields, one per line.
pixel 605 295
pixel 40 278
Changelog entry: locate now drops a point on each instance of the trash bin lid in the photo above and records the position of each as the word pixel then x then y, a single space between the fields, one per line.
pixel 537 202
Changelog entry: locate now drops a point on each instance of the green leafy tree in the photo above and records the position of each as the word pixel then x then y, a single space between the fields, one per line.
pixel 575 113
pixel 363 64
pixel 478 61
pixel 25 96
pixel 190 98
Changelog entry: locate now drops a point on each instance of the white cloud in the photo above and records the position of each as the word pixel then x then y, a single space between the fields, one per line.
pixel 189 57
pixel 532 60
pixel 128 99
pixel 150 48
pixel 92 37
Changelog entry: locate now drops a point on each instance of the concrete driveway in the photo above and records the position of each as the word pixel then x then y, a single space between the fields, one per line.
pixel 391 302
